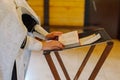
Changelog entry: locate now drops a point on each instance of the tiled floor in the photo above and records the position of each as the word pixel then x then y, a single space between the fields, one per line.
pixel 38 68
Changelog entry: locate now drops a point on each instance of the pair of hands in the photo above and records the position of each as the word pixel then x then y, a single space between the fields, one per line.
pixel 51 43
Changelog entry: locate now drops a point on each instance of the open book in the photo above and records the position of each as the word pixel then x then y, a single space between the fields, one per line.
pixel 71 39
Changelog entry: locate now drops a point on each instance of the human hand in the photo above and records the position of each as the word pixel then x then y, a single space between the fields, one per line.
pixel 53 35
pixel 52 45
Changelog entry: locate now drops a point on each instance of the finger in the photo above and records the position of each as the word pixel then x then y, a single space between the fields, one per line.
pixel 56 48
pixel 60 45
pixel 57 33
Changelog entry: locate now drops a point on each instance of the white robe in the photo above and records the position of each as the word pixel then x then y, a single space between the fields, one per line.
pixel 12 34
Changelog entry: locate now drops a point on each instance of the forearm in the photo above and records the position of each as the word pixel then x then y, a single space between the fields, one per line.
pixel 40 30
pixel 37 45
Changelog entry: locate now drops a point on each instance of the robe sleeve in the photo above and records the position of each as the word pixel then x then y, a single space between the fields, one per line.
pixel 33 44
pixel 40 30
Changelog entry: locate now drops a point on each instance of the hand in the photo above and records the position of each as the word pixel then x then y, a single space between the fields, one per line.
pixel 53 35
pixel 52 45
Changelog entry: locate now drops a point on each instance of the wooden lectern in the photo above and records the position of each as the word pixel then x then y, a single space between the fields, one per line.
pixel 105 38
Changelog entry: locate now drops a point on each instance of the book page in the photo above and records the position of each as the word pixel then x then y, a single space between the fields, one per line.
pixel 69 38
pixel 90 39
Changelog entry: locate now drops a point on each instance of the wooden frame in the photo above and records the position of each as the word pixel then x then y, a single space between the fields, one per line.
pixel 105 53
pixel 46 15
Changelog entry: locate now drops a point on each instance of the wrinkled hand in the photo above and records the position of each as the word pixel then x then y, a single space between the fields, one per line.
pixel 52 45
pixel 53 35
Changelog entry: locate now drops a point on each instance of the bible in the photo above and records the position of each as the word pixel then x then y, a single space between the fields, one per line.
pixel 71 39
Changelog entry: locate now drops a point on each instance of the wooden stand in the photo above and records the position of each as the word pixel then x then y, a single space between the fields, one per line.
pixel 105 39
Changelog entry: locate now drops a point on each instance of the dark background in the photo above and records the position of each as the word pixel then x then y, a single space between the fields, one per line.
pixel 104 13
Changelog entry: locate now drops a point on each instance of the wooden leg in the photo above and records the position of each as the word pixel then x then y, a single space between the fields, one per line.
pixel 52 66
pixel 62 65
pixel 101 60
pixel 93 74
pixel 84 62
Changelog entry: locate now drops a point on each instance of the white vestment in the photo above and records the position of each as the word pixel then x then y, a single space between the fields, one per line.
pixel 12 35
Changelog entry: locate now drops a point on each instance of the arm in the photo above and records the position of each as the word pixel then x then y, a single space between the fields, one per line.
pixel 33 44
pixel 40 30
pixel 47 35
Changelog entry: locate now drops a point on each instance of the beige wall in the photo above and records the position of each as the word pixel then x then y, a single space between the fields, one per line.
pixel 62 12
pixel 37 6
